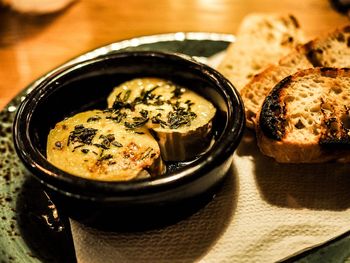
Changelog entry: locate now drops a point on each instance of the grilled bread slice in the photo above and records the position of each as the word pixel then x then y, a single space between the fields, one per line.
pixel 262 39
pixel 306 117
pixel 331 50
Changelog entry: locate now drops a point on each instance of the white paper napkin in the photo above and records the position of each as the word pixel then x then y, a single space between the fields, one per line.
pixel 265 212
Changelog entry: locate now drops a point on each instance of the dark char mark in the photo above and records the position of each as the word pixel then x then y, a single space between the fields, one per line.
pixel 273 113
pixel 313 54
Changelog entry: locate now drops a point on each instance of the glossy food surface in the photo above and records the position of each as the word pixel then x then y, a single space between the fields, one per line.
pixel 93 145
pixel 180 119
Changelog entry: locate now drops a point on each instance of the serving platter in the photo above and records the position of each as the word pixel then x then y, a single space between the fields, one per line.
pixel 31 229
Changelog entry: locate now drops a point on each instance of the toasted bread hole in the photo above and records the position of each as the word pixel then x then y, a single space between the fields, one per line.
pixel 303 94
pixel 296 115
pixel 250 115
pixel 307 86
pixel 256 67
pixel 289 98
pixel 250 96
pixel 299 125
pixel 345 120
pixel 303 85
pixel 315 131
pixel 318 80
pixel 341 37
pixel 315 108
pixel 327 107
pixel 337 89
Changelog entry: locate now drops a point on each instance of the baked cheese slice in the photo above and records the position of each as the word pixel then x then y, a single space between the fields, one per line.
pixel 97 145
pixel 180 119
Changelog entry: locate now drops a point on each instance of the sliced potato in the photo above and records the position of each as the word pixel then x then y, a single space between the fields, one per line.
pixel 180 118
pixel 97 145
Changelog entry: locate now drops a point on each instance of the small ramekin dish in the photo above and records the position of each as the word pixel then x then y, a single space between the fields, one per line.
pixel 85 86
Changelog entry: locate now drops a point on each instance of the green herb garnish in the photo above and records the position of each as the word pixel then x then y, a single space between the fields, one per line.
pixel 81 135
pixel 117 116
pixel 138 121
pixel 157 120
pixel 105 157
pixel 121 102
pixel 177 92
pixel 94 118
pixel 146 153
pixel 117 144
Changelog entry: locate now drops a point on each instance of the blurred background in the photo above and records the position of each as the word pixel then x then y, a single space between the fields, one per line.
pixel 38 35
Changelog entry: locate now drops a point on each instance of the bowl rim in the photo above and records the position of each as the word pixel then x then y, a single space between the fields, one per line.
pixel 51 176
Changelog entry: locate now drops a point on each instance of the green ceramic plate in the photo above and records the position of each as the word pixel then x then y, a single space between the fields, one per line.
pixel 31 229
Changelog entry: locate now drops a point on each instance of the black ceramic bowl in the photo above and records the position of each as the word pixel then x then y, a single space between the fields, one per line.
pixel 86 85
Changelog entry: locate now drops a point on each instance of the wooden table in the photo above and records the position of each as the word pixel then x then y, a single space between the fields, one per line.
pixel 32 45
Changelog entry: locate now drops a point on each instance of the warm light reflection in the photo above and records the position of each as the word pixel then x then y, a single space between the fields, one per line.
pixel 24 68
pixel 206 2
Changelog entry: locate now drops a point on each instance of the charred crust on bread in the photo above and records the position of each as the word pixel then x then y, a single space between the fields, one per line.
pixel 312 54
pixel 328 72
pixel 335 143
pixel 273 113
pixel 335 120
pixel 340 37
pixel 336 131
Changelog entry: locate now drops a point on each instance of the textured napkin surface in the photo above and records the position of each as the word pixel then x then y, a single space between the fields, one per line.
pixel 265 212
